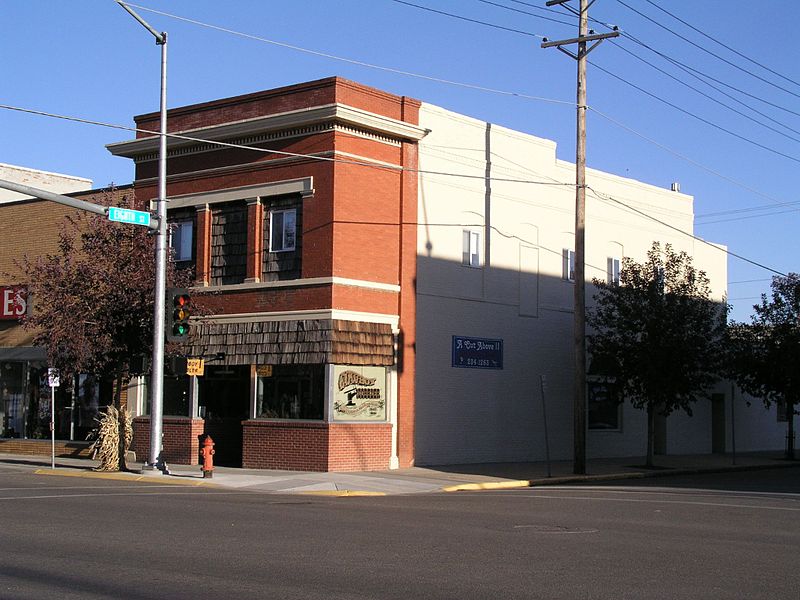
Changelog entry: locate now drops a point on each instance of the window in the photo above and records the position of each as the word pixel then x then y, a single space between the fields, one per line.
pixel 604 406
pixel 568 264
pixel 181 241
pixel 283 230
pixel 291 392
pixel 780 407
pixel 612 275
pixel 471 256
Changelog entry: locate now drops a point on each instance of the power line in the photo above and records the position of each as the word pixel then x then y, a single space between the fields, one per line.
pixel 525 12
pixel 699 118
pixel 462 18
pixel 717 56
pixel 691 161
pixel 716 41
pixel 709 97
pixel 351 60
pixel 601 196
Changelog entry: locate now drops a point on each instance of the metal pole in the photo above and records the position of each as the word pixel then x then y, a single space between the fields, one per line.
pixel 157 374
pixel 52 427
pixel 733 421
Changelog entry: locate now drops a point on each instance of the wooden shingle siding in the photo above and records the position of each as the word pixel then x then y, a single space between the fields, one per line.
pixel 323 341
pixel 278 266
pixel 229 244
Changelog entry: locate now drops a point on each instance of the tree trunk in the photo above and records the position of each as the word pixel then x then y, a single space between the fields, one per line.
pixel 651 429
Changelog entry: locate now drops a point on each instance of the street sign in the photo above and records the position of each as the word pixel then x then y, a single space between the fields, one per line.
pixel 53 379
pixel 195 366
pixel 127 215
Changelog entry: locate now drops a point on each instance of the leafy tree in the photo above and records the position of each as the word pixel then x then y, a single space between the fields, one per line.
pixel 94 298
pixel 656 334
pixel 764 355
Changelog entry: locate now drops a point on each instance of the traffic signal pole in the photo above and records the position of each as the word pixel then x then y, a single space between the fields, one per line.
pixel 157 372
pixel 579 329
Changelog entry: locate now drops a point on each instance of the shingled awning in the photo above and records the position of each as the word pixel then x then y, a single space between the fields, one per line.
pixel 313 341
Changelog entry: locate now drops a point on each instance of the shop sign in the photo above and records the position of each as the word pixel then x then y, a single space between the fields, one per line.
pixel 359 393
pixel 477 353
pixel 195 366
pixel 13 302
pixel 264 370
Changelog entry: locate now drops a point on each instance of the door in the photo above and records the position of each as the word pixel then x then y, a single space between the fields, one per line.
pixel 224 402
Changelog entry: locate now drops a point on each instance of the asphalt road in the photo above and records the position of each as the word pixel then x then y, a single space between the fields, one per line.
pixel 713 536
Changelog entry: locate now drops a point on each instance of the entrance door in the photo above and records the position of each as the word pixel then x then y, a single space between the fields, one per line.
pixel 224 401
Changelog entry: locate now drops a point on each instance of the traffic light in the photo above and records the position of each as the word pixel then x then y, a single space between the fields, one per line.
pixel 177 309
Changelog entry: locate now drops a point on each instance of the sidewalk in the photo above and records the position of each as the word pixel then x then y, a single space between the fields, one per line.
pixel 448 478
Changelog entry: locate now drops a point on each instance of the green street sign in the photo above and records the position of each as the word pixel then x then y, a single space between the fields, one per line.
pixel 126 215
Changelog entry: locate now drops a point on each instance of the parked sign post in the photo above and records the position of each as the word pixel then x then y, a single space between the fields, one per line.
pixel 53 380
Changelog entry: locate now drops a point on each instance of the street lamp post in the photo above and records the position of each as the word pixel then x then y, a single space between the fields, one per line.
pixel 157 374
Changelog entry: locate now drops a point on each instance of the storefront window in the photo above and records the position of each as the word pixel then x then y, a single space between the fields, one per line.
pixel 175 396
pixel 290 392
pixel 12 399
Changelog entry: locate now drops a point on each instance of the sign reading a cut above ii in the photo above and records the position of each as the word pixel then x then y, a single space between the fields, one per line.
pixel 477 353
pixel 359 393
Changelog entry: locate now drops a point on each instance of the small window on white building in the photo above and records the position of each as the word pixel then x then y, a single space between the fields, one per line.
pixel 181 240
pixel 282 229
pixel 471 254
pixel 568 264
pixel 612 275
pixel 604 406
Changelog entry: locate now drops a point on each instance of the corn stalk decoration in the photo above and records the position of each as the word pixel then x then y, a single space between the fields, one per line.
pixel 108 448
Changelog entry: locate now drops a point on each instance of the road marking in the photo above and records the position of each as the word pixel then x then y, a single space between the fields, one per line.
pixel 643 501
pixel 64 496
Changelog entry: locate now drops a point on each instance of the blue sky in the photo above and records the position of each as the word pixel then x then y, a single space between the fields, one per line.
pixel 90 59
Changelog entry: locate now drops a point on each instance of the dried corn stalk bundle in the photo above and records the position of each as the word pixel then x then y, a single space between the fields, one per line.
pixel 106 447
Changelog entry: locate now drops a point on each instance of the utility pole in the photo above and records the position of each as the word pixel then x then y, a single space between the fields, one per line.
pixel 579 399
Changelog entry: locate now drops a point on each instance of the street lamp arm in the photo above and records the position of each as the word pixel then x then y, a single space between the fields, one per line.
pixel 161 38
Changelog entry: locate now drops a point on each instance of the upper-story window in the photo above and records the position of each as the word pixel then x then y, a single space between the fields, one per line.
pixel 612 271
pixel 568 264
pixel 181 240
pixel 282 230
pixel 283 238
pixel 471 248
pixel 228 243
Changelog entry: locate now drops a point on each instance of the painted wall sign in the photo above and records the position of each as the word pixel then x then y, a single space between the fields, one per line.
pixel 477 353
pixel 359 393
pixel 13 302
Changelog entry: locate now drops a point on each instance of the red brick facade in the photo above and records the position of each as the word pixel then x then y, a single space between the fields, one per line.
pixel 181 439
pixel 308 446
pixel 358 146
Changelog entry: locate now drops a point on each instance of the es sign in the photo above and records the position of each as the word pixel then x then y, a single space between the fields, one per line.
pixel 13 302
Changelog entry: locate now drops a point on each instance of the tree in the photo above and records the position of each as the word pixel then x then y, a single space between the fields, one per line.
pixel 94 298
pixel 764 355
pixel 657 334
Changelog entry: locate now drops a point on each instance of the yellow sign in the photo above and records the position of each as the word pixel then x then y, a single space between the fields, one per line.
pixel 264 370
pixel 195 366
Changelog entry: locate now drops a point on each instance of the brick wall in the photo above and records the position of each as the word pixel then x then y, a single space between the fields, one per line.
pixel 44 448
pixel 304 446
pixel 181 439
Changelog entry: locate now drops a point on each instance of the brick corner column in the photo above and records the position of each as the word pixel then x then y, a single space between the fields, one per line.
pixel 203 248
pixel 255 239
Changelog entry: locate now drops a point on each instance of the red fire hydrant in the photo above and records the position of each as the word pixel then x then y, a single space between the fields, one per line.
pixel 206 454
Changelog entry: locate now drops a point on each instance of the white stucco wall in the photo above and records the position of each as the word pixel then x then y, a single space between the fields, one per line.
pixel 52 182
pixel 473 415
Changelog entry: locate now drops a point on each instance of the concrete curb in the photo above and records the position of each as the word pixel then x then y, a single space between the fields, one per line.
pixel 558 480
pixel 123 476
pixel 341 493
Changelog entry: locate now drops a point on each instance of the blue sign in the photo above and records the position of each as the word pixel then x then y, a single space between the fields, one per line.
pixel 477 353
pixel 126 215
